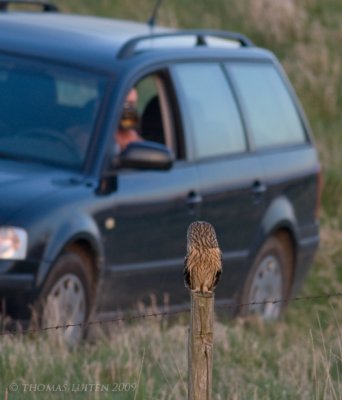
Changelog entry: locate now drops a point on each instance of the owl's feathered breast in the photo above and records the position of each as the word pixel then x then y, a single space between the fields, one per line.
pixel 202 266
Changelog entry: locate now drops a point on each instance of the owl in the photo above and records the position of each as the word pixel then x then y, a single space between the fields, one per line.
pixel 203 262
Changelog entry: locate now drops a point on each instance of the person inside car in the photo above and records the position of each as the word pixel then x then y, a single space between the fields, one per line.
pixel 127 131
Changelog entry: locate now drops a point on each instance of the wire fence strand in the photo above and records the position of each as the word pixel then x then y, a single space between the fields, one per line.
pixel 163 314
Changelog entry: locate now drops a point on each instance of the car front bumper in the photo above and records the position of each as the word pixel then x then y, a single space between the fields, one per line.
pixel 17 288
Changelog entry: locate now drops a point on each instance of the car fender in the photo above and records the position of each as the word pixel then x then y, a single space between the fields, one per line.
pixel 278 215
pixel 78 227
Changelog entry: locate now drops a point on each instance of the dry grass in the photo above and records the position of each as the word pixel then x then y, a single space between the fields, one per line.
pixel 251 361
pixel 278 20
pixel 316 71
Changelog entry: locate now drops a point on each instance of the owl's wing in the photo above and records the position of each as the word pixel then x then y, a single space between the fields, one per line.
pixel 217 278
pixel 186 273
pixel 218 274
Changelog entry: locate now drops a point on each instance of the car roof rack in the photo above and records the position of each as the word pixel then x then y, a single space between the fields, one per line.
pixel 128 48
pixel 46 6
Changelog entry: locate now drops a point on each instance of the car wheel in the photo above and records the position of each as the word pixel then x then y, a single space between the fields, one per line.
pixel 267 281
pixel 67 296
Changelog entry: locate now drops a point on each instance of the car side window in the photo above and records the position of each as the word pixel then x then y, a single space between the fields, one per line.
pixel 152 111
pixel 211 109
pixel 151 121
pixel 269 109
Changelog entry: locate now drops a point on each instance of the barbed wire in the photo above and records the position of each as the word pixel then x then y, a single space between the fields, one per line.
pixel 163 314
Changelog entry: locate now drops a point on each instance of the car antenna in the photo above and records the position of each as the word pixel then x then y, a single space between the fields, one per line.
pixel 152 20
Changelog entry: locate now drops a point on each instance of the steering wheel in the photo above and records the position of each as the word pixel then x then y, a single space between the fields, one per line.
pixel 51 135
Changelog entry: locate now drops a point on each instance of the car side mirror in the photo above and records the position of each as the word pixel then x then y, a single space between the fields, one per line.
pixel 145 155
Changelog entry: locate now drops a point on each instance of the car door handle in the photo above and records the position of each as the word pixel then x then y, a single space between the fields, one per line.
pixel 258 188
pixel 193 199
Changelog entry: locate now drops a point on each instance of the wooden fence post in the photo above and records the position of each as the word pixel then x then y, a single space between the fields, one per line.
pixel 200 350
pixel 202 269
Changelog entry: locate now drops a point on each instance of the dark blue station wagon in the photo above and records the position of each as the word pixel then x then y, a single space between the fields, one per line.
pixel 85 229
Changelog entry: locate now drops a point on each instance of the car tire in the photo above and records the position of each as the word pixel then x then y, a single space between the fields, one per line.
pixel 268 281
pixel 67 296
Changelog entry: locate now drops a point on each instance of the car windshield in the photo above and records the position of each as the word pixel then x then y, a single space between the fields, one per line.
pixel 47 113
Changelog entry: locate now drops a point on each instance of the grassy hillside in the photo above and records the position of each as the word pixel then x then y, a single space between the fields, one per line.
pixel 297 358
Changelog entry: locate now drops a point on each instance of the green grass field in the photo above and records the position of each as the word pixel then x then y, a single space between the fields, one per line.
pixel 299 357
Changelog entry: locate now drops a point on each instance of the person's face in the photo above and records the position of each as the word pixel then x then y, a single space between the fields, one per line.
pixel 130 117
pixel 132 97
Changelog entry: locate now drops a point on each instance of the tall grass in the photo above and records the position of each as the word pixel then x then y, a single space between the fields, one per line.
pixel 252 361
pixel 297 358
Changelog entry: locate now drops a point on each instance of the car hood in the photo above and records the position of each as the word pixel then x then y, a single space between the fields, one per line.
pixel 22 184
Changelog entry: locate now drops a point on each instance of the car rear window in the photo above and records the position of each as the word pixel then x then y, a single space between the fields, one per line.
pixel 270 112
pixel 211 108
pixel 47 113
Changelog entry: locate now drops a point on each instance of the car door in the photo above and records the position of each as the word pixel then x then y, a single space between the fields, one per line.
pixel 148 216
pixel 287 155
pixel 231 184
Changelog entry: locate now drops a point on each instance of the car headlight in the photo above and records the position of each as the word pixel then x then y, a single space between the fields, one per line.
pixel 13 243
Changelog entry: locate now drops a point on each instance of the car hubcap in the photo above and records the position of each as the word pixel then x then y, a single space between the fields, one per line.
pixel 266 287
pixel 66 305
